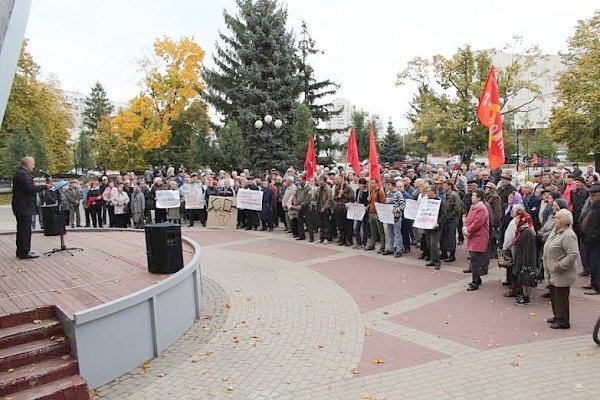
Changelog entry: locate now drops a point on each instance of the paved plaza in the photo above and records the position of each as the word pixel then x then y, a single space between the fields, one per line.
pixel 283 319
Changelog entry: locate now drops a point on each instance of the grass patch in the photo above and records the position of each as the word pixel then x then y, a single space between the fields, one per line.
pixel 5 199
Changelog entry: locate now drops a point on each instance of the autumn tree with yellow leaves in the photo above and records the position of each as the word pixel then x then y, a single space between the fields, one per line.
pixel 171 82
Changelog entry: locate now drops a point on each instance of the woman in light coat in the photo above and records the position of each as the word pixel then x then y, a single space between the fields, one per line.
pixel 119 201
pixel 560 256
pixel 137 207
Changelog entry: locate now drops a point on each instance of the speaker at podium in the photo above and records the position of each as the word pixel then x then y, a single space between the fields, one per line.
pixel 163 248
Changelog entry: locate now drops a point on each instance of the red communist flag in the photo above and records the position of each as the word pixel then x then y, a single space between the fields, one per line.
pixel 310 163
pixel 489 115
pixel 373 157
pixel 352 152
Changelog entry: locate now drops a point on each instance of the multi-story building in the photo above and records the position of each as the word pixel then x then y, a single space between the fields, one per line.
pixel 536 113
pixel 76 101
pixel 343 120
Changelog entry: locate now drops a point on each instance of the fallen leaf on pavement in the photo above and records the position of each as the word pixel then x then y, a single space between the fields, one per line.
pixel 227 305
pixel 160 375
pixel 514 364
pixel 520 355
pixel 147 365
pixel 37 321
pixel 386 312
pixel 367 333
pixel 230 388
pixel 355 371
pixel 378 361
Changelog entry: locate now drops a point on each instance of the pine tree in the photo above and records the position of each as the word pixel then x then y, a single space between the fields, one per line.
pixel 391 146
pixel 302 128
pixel 256 74
pixel 313 91
pixel 362 134
pixel 97 106
pixel 231 146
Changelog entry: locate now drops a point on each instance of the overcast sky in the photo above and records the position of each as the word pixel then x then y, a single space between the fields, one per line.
pixel 366 43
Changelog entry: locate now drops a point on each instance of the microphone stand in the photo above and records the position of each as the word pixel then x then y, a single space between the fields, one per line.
pixel 63 231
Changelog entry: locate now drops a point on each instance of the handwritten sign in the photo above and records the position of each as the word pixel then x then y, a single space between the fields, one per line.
pixel 194 196
pixel 385 212
pixel 167 199
pixel 427 215
pixel 222 213
pixel 410 211
pixel 356 211
pixel 249 199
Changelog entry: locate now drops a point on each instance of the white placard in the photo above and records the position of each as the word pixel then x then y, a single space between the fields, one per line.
pixel 249 199
pixel 385 212
pixel 427 215
pixel 410 211
pixel 193 195
pixel 356 211
pixel 167 199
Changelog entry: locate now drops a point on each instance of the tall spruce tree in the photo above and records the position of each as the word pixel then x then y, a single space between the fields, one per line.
pixel 362 134
pixel 256 74
pixel 97 107
pixel 314 91
pixel 391 146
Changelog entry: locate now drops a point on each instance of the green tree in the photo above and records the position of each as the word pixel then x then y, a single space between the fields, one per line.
pixel 575 119
pixel 37 113
pixel 391 146
pixel 97 106
pixel 362 135
pixel 301 130
pixel 444 111
pixel 256 74
pixel 314 91
pixel 231 146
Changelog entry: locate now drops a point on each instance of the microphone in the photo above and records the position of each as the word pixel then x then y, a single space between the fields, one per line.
pixel 47 175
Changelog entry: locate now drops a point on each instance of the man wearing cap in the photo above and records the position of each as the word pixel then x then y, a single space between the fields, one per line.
pixel 532 203
pixel 454 209
pixel 495 212
pixel 73 195
pixel 559 181
pixel 589 226
pixel 505 188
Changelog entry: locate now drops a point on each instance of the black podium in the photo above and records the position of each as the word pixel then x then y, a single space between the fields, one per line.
pixel 53 220
pixel 163 248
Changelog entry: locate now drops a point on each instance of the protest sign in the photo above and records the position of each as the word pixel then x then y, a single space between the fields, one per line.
pixel 167 199
pixel 193 195
pixel 410 211
pixel 222 213
pixel 249 199
pixel 427 215
pixel 356 211
pixel 385 212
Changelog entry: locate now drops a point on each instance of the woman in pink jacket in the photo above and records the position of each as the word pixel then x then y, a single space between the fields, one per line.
pixel 477 232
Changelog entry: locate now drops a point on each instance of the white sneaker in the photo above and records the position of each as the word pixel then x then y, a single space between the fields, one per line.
pixel 325 241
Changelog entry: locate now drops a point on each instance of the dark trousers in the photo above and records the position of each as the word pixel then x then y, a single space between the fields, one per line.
pixel 325 225
pixel 343 225
pixel 478 265
pixel 559 296
pixel 300 223
pixel 111 216
pixel 193 215
pixel 294 226
pixel 86 211
pixel 592 255
pixel 120 220
pixel 361 230
pixel 23 235
pixel 406 232
pixel 448 236
pixel 96 215
pixel 433 244
pixel 493 243
pixel 312 223
pixel 461 237
pixel 160 215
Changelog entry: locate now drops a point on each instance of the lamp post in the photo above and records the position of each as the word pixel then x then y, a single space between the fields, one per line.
pixel 269 124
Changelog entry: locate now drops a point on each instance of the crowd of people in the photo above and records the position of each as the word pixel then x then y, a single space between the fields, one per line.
pixel 537 227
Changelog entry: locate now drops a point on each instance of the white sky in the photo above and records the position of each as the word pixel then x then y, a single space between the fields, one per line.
pixel 366 43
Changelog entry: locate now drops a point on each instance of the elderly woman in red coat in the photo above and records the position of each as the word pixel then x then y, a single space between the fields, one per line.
pixel 477 231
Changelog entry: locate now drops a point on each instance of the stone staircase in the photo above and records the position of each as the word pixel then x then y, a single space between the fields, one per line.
pixel 35 359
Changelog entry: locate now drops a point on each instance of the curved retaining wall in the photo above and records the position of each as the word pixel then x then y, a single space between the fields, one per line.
pixel 116 337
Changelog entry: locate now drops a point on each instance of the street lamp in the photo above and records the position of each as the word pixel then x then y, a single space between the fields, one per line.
pixel 269 125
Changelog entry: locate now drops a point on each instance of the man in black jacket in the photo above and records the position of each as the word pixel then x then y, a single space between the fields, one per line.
pixel 23 205
pixel 589 226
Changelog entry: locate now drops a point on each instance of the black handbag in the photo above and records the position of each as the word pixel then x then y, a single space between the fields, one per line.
pixel 528 276
pixel 505 259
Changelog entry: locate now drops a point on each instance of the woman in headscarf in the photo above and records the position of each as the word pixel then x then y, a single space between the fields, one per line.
pixel 514 199
pixel 524 271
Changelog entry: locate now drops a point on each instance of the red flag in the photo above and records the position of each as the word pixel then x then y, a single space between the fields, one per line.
pixel 352 153
pixel 373 158
pixel 489 115
pixel 310 163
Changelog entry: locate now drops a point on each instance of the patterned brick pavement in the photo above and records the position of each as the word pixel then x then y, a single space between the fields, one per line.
pixel 293 320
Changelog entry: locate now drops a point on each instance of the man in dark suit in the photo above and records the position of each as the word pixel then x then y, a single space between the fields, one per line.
pixel 23 205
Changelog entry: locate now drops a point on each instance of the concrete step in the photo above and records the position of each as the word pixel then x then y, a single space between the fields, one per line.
pixel 27 316
pixel 40 329
pixel 30 375
pixel 70 388
pixel 32 352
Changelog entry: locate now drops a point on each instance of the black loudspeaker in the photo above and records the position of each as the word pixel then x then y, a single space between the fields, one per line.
pixel 53 220
pixel 163 248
